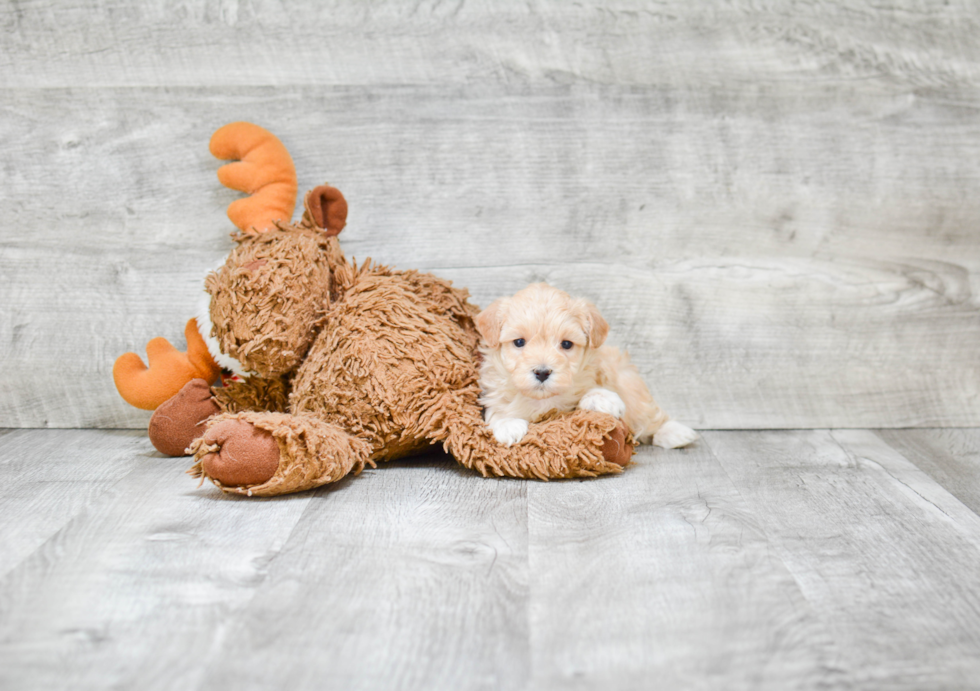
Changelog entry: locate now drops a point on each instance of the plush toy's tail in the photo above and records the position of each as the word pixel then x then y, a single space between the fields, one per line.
pixel 149 387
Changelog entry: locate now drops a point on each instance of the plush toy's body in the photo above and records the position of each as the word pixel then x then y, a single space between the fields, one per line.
pixel 347 366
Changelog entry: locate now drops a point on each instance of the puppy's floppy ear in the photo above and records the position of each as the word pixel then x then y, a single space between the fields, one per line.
pixel 490 322
pixel 595 326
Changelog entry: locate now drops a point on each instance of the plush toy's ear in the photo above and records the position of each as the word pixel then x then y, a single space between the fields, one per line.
pixel 594 324
pixel 490 322
pixel 327 209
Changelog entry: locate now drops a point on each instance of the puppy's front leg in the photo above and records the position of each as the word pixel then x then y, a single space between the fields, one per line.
pixel 603 401
pixel 508 430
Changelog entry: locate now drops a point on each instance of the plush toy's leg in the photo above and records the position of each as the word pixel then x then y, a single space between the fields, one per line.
pixel 578 444
pixel 243 454
pixel 266 454
pixel 253 393
pixel 180 420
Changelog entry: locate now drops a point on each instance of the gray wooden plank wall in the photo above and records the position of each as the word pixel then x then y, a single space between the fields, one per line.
pixel 774 203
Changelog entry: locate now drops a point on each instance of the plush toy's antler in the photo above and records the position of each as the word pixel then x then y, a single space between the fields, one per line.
pixel 264 169
pixel 169 370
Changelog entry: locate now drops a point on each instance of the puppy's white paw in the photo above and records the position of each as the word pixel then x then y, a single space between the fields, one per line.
pixel 603 401
pixel 508 430
pixel 673 435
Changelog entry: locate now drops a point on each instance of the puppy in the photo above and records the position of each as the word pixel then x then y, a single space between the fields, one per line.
pixel 542 351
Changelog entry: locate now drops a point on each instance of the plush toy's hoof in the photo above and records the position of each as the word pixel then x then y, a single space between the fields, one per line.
pixel 247 455
pixel 615 449
pixel 177 422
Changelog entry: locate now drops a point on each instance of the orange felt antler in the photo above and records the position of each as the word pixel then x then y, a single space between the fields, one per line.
pixel 169 370
pixel 264 170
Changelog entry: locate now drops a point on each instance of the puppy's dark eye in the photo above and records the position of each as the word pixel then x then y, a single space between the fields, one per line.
pixel 519 342
pixel 567 345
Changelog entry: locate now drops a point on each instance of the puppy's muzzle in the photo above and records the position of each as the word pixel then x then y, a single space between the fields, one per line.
pixel 542 373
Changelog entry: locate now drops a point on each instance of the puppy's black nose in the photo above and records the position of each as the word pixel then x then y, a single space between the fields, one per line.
pixel 542 373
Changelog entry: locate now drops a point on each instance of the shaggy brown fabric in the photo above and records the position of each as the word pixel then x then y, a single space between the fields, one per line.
pixel 253 393
pixel 380 364
pixel 268 300
pixel 560 446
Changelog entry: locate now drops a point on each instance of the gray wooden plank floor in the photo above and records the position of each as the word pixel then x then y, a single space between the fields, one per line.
pixel 782 559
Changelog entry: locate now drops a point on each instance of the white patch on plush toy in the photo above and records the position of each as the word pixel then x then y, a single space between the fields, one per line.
pixel 204 326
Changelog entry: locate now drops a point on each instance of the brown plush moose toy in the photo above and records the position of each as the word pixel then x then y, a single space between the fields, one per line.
pixel 337 366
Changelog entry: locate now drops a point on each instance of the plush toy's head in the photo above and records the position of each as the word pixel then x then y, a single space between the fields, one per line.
pixel 266 302
pixel 269 298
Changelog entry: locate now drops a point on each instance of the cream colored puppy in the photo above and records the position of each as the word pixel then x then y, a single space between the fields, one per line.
pixel 542 351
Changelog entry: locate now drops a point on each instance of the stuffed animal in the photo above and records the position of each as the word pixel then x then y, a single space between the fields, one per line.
pixel 336 365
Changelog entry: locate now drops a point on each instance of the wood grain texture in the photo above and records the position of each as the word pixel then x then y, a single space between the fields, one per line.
pixel 140 582
pixel 735 324
pixel 406 577
pixel 773 204
pixel 664 576
pixel 634 42
pixel 879 550
pixel 44 483
pixel 951 457
pixel 759 560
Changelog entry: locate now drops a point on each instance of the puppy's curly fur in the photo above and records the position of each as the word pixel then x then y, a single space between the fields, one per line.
pixel 543 351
